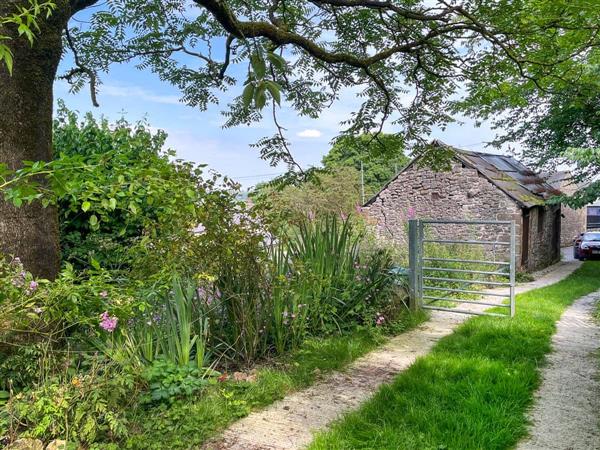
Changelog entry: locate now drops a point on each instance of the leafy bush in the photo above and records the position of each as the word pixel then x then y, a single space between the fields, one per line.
pixel 334 192
pixel 168 381
pixel 127 188
pixel 87 407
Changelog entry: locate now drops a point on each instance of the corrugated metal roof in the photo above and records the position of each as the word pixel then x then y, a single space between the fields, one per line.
pixel 516 180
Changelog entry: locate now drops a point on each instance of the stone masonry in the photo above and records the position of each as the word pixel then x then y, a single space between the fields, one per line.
pixel 573 220
pixel 461 194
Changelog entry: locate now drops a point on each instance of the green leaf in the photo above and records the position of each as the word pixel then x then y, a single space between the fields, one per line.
pixel 93 220
pixel 112 202
pixel 260 99
pixel 95 264
pixel 6 55
pixel 275 90
pixel 85 206
pixel 248 95
pixel 258 65
pixel 276 60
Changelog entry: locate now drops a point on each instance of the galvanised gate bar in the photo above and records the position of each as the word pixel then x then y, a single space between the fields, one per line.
pixel 424 282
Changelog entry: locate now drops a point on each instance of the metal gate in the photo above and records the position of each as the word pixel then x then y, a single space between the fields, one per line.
pixel 422 266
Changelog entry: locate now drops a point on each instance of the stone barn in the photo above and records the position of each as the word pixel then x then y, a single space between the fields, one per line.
pixel 478 186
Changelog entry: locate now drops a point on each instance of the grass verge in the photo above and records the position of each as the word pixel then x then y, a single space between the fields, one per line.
pixel 473 390
pixel 189 423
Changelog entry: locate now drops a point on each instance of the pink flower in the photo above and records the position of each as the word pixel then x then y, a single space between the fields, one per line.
pixel 311 215
pixel 108 323
pixel 33 285
pixel 343 216
pixel 380 320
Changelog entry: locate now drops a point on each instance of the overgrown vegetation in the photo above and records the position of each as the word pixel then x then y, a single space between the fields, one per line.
pixel 172 294
pixel 335 192
pixel 479 380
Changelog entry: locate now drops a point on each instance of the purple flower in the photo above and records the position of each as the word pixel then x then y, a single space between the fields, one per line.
pixel 343 216
pixel 311 215
pixel 33 285
pixel 108 323
pixel 103 294
pixel 380 320
pixel 200 229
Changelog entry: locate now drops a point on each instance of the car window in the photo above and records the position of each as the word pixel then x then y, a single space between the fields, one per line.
pixel 591 237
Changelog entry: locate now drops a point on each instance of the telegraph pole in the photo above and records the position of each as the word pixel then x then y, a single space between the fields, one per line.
pixel 362 182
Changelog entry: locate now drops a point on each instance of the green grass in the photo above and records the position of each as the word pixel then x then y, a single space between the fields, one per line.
pixel 189 423
pixel 473 390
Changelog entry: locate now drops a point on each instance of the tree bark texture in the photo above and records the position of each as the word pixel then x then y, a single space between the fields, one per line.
pixel 26 101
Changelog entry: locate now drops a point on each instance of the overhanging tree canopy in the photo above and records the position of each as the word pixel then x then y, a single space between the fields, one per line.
pixel 406 59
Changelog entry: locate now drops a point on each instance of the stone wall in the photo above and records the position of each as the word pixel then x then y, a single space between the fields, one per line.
pixel 573 220
pixel 544 234
pixel 460 194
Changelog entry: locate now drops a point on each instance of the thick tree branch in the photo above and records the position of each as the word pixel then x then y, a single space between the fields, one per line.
pixel 280 36
pixel 78 5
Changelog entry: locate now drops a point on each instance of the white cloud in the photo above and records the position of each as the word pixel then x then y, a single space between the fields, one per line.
pixel 139 93
pixel 309 133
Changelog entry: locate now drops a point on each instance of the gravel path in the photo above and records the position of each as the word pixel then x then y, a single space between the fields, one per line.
pixel 566 412
pixel 291 422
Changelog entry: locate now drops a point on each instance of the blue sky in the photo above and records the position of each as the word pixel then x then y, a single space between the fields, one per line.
pixel 198 135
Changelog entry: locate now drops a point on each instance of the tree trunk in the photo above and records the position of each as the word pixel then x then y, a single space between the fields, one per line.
pixel 26 101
